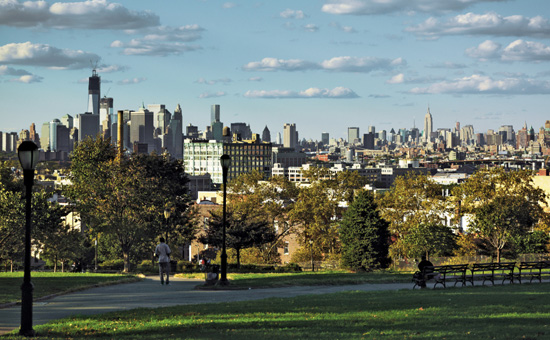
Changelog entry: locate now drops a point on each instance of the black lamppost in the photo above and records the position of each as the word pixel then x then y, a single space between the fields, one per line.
pixel 311 251
pixel 225 161
pixel 28 157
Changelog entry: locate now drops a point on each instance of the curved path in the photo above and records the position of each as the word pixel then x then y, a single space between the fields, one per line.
pixel 149 293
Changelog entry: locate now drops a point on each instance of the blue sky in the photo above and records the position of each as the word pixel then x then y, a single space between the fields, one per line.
pixel 324 65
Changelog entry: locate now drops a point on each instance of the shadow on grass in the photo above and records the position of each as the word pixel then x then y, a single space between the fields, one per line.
pixel 500 312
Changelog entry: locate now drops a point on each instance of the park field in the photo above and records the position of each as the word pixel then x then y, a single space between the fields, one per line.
pixel 499 312
pixel 49 283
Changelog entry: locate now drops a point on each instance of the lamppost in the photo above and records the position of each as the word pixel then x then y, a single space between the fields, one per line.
pixel 225 161
pixel 28 157
pixel 311 251
pixel 167 214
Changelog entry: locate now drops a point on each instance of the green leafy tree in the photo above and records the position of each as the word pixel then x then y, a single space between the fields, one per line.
pixel 244 229
pixel 364 235
pixel 126 197
pixel 273 197
pixel 504 205
pixel 415 209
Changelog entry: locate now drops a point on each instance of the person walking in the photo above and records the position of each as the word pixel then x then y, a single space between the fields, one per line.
pixel 163 252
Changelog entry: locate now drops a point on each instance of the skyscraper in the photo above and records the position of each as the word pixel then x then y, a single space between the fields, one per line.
pixel 325 137
pixel 214 113
pixel 266 135
pixel 289 136
pixel 353 135
pixel 93 93
pixel 428 126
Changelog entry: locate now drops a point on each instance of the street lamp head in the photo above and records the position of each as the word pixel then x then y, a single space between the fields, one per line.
pixel 28 155
pixel 225 161
pixel 167 214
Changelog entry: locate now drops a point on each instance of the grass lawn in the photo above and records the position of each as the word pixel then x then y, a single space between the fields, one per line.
pixel 500 312
pixel 270 280
pixel 47 283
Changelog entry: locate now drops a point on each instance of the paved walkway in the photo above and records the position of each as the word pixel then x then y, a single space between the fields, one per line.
pixel 149 294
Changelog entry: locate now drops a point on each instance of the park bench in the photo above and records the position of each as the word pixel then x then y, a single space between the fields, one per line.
pixel 531 270
pixel 492 271
pixel 442 275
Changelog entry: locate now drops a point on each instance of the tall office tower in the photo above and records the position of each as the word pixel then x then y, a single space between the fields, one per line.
pixel 467 135
pixel 68 121
pixel 87 125
pixel 371 129
pixel 266 135
pixel 289 136
pixel 214 113
pixel 45 136
pixel 368 141
pixel 94 93
pixel 242 130
pixel 161 117
pixel 325 138
pixel 106 116
pixel 175 129
pixel 457 128
pixel 33 136
pixel 278 139
pixel 382 136
pixel 510 134
pixel 191 131
pixel 141 128
pixel 9 141
pixel 53 134
pixel 353 135
pixel 428 126
pixel 62 142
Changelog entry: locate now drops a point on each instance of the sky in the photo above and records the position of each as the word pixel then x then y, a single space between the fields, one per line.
pixel 323 65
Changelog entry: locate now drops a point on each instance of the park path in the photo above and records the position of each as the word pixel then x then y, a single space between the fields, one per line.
pixel 149 293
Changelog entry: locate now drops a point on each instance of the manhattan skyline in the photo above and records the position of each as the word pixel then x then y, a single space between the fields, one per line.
pixel 323 65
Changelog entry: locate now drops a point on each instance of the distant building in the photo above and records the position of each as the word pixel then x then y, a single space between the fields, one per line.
pixel 353 135
pixel 266 135
pixel 428 126
pixel 290 136
pixel 202 157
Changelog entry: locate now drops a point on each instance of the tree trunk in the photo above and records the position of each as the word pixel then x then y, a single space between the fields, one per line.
pixel 238 258
pixel 55 264
pixel 126 256
pixel 498 255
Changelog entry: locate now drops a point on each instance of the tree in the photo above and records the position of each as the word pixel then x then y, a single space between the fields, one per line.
pixel 364 235
pixel 244 229
pixel 503 204
pixel 415 209
pixel 126 197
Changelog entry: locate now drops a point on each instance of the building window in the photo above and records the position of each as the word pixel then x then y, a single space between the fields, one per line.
pixel 276 226
pixel 285 249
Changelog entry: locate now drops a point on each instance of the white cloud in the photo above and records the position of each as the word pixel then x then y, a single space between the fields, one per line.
pixel 372 7
pixel 162 41
pixel 274 64
pixel 314 92
pixel 213 95
pixel 447 65
pixel 518 50
pixel 28 79
pixel 45 55
pixel 255 79
pixel 10 71
pixel 228 5
pixel 347 29
pixel 479 84
pixel 337 64
pixel 131 81
pixel 397 79
pixel 311 28
pixel 484 24
pixel 90 14
pixel 358 64
pixel 292 14
pixel 111 68
pixel 213 81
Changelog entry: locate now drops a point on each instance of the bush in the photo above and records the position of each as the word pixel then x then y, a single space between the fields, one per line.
pixel 188 267
pixel 289 268
pixel 116 264
pixel 146 266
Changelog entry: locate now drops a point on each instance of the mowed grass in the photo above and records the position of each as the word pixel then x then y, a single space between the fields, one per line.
pixel 337 277
pixel 48 283
pixel 500 312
